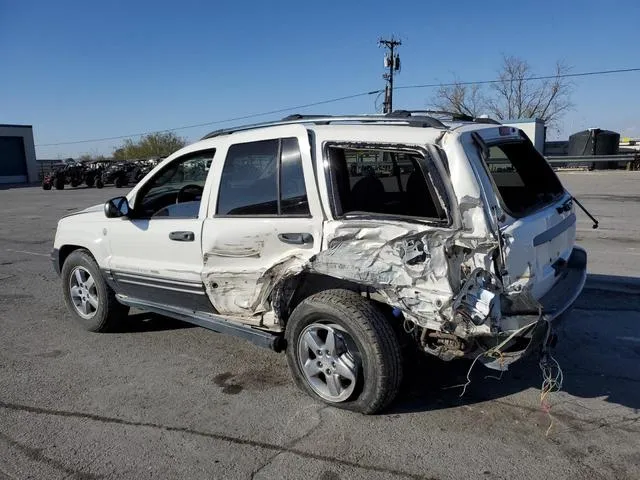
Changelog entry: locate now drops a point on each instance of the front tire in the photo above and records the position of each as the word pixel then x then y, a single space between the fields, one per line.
pixel 91 302
pixel 342 350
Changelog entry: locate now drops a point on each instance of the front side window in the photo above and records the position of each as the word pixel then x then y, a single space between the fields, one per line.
pixel 376 180
pixel 176 190
pixel 263 178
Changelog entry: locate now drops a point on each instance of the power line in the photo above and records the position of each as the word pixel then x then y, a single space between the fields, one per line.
pixel 339 99
pixel 526 79
pixel 185 127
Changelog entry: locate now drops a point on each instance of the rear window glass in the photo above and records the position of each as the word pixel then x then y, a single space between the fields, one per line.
pixel 524 179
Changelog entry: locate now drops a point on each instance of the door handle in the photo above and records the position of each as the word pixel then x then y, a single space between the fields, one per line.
pixel 296 238
pixel 182 236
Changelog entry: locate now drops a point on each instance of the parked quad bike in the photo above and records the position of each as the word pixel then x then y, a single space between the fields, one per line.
pixel 122 174
pixel 98 174
pixel 55 178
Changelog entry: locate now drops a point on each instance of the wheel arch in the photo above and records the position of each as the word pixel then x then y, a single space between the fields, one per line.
pixel 65 250
pixel 289 293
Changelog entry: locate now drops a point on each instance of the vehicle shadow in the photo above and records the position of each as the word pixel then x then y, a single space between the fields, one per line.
pixel 149 322
pixel 598 350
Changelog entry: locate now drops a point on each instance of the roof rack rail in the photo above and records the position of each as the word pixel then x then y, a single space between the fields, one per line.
pixel 388 119
pixel 456 116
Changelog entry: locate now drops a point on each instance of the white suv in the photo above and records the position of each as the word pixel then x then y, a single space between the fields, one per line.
pixel 338 239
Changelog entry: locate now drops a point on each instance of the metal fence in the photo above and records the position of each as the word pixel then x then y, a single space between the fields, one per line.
pixel 627 161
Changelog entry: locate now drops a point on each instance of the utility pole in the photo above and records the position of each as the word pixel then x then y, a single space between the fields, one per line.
pixel 392 62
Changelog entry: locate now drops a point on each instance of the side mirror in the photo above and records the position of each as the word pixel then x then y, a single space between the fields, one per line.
pixel 117 207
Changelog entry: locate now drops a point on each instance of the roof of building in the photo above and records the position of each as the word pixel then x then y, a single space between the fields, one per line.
pixel 4 125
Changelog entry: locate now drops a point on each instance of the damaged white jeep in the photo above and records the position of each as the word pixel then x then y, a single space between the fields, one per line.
pixel 337 239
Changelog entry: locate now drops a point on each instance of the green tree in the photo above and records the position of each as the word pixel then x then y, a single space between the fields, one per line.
pixel 159 144
pixel 87 157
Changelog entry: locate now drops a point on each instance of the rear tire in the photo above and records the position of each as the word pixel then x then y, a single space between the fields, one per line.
pixel 46 186
pixel 59 184
pixel 369 346
pixel 91 302
pixel 99 183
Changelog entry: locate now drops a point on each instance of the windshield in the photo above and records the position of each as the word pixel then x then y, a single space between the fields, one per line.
pixel 524 179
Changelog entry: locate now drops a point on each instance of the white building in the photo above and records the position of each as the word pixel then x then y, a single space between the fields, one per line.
pixel 534 129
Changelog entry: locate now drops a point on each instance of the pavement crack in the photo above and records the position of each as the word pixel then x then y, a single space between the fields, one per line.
pixel 291 443
pixel 216 436
pixel 294 441
pixel 36 455
pixel 264 465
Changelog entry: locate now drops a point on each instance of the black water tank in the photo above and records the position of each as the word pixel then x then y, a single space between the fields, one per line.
pixel 595 142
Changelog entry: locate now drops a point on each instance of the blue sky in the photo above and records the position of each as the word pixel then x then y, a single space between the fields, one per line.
pixel 80 70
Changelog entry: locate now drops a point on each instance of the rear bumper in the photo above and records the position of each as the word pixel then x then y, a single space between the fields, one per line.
pixel 554 306
pixel 571 279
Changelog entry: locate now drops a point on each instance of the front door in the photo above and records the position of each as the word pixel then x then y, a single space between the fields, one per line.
pixel 265 220
pixel 156 253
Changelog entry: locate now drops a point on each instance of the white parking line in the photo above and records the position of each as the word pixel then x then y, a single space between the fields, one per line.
pixel 29 253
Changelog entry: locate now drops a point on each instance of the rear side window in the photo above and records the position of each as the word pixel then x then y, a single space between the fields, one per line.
pixel 263 178
pixel 379 181
pixel 525 181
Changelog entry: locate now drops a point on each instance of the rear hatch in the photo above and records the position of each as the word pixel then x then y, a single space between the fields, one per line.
pixel 534 212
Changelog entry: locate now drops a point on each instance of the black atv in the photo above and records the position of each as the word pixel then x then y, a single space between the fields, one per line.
pixel 55 177
pixel 60 176
pixel 95 172
pixel 144 167
pixel 120 174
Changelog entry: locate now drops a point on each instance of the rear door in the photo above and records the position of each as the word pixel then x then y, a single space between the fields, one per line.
pixel 534 211
pixel 264 219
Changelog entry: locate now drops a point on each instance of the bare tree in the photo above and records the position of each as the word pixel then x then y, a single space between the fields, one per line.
pixel 460 98
pixel 516 94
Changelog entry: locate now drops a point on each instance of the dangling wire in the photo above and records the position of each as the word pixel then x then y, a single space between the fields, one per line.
pixel 408 325
pixel 376 105
pixel 552 379
pixel 502 369
pixel 468 382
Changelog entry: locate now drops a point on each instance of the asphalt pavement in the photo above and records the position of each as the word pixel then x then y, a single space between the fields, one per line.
pixel 162 399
